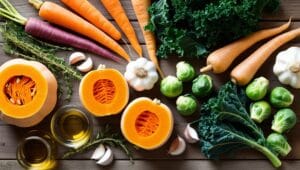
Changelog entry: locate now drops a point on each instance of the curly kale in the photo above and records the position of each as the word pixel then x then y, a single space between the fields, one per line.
pixel 225 126
pixel 195 27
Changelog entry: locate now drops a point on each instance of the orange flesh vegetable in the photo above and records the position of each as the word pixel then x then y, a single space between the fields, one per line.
pixel 85 9
pixel 20 90
pixel 60 16
pixel 147 123
pixel 33 105
pixel 104 92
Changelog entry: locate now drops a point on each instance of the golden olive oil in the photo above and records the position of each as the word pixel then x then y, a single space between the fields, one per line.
pixel 71 127
pixel 37 152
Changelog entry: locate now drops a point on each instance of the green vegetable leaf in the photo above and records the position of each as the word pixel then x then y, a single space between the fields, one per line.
pixel 195 27
pixel 225 125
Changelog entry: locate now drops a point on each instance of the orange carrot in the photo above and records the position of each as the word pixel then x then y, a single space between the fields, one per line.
pixel 220 60
pixel 85 9
pixel 115 9
pixel 65 18
pixel 245 71
pixel 140 8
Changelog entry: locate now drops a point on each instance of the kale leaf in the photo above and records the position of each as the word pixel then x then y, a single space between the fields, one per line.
pixel 195 27
pixel 225 125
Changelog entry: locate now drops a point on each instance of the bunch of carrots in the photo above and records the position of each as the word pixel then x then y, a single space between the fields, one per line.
pixel 92 24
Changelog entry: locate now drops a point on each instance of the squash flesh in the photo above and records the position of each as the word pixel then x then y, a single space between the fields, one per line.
pixel 20 90
pixel 162 132
pixel 44 99
pixel 114 97
pixel 104 91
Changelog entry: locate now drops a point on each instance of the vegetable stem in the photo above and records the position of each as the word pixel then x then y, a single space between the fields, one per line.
pixel 11 13
pixel 270 155
pixel 36 3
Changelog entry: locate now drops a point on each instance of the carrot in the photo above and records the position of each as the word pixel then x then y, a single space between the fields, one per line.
pixel 116 10
pixel 245 71
pixel 65 18
pixel 140 8
pixel 85 9
pixel 43 30
pixel 220 60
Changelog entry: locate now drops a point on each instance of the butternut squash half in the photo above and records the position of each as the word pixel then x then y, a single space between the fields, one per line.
pixel 104 91
pixel 29 92
pixel 147 123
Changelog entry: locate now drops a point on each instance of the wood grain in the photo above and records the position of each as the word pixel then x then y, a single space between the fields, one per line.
pixel 155 165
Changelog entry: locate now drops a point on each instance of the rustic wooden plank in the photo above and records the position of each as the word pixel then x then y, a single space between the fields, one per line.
pixel 162 165
pixel 287 9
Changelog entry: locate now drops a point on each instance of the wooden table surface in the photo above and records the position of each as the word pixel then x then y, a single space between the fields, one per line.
pixel 159 159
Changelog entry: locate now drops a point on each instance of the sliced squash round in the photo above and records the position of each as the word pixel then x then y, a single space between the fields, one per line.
pixel 29 92
pixel 104 91
pixel 147 123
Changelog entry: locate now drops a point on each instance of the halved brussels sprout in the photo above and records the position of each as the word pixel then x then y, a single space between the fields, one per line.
pixel 279 144
pixel 186 105
pixel 185 72
pixel 284 120
pixel 257 89
pixel 281 97
pixel 202 85
pixel 171 86
pixel 259 111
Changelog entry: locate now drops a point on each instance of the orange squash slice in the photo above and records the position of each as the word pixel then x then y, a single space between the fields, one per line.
pixel 104 91
pixel 29 92
pixel 147 123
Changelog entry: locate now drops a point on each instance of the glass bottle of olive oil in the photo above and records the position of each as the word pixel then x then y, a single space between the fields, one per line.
pixel 71 127
pixel 37 151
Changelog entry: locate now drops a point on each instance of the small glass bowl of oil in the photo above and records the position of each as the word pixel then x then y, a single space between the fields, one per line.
pixel 37 151
pixel 71 126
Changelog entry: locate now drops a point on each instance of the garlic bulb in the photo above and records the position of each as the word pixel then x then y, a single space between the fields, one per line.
pixel 287 67
pixel 141 74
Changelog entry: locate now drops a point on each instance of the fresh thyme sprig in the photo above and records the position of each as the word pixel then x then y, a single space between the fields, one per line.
pixel 107 137
pixel 18 43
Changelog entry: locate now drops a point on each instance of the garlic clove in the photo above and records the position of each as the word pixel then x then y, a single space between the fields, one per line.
pixel 99 152
pixel 86 66
pixel 107 157
pixel 177 147
pixel 76 57
pixel 190 134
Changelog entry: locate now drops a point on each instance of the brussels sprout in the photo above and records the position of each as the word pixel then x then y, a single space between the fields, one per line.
pixel 171 86
pixel 281 97
pixel 258 88
pixel 284 120
pixel 259 111
pixel 186 105
pixel 202 85
pixel 185 72
pixel 279 144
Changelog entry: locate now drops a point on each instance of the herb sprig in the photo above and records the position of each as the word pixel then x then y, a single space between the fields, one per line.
pixel 18 43
pixel 106 137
